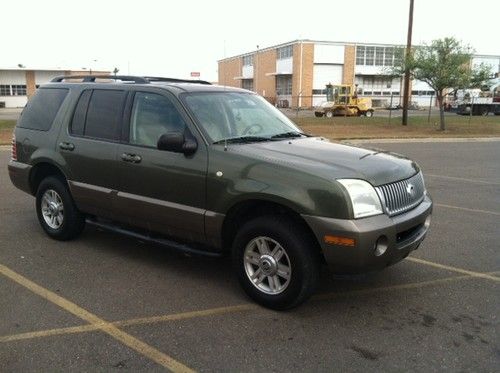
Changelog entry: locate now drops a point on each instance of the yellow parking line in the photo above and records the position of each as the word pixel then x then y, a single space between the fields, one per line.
pixel 462 179
pixel 411 285
pixel 217 311
pixel 466 209
pixel 187 315
pixel 129 322
pixel 125 338
pixel 454 269
pixel 49 332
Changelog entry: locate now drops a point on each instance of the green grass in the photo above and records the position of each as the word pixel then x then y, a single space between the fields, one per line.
pixel 418 126
pixel 6 127
pixel 7 123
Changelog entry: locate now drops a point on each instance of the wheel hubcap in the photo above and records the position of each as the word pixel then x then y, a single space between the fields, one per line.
pixel 52 209
pixel 267 265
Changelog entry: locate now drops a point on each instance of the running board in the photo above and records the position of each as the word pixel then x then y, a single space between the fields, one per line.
pixel 160 241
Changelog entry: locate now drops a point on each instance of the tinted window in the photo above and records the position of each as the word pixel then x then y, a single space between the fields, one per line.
pixel 104 114
pixel 152 116
pixel 42 109
pixel 78 122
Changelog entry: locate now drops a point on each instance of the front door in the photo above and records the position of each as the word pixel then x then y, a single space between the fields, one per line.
pixel 160 190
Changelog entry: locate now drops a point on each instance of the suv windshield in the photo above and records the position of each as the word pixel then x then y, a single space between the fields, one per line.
pixel 235 115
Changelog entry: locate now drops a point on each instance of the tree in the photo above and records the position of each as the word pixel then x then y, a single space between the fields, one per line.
pixel 444 64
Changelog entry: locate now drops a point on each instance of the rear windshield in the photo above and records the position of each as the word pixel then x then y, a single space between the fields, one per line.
pixel 42 108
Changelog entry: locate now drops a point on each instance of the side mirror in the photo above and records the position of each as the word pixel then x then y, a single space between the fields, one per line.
pixel 177 143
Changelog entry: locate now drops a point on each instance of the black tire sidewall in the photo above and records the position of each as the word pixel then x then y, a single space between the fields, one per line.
pixel 72 221
pixel 300 250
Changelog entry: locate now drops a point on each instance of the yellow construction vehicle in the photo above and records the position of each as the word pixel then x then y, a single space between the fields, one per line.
pixel 343 100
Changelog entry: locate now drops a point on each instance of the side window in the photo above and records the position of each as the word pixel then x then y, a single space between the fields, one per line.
pixel 104 114
pixel 80 114
pixel 152 116
pixel 42 109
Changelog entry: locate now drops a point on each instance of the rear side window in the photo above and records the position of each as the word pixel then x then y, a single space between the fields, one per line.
pixel 78 123
pixel 42 109
pixel 98 114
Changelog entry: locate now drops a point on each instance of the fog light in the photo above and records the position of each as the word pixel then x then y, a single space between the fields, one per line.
pixel 380 246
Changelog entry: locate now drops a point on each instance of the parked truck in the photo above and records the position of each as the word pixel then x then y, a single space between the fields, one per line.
pixel 479 101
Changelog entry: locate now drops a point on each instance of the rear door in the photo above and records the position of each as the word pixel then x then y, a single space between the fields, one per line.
pixel 89 147
pixel 160 190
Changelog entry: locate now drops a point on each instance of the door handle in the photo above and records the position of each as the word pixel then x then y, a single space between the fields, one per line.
pixel 67 146
pixel 132 158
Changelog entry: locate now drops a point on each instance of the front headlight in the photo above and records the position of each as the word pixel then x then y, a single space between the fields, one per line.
pixel 364 198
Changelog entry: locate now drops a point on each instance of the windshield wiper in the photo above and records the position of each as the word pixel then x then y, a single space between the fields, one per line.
pixel 242 139
pixel 286 135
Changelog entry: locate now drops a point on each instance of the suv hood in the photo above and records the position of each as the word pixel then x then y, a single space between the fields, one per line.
pixel 333 160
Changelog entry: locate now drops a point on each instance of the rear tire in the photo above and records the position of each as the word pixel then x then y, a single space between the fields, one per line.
pixel 318 115
pixel 56 210
pixel 282 259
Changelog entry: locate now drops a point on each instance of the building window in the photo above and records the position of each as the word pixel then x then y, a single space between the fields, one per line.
pixel 398 56
pixel 5 90
pixel 360 55
pixel 284 85
pixel 248 60
pixel 378 56
pixel 18 90
pixel 319 91
pixel 284 52
pixel 370 54
pixel 389 56
pixel 247 84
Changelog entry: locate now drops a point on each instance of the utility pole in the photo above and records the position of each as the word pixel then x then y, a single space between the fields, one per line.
pixel 406 93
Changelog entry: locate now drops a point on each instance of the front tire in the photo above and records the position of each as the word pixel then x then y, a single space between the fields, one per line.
pixel 276 262
pixel 369 114
pixel 56 211
pixel 329 114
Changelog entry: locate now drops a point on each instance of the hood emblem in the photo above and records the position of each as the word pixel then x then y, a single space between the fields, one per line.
pixel 410 189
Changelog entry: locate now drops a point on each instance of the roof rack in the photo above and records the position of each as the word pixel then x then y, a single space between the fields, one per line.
pixel 126 79
pixel 92 78
pixel 174 80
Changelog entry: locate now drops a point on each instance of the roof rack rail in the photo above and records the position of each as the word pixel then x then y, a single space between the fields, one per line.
pixel 174 80
pixel 92 78
pixel 126 78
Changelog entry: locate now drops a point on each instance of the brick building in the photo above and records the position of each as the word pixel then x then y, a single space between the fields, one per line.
pixel 296 73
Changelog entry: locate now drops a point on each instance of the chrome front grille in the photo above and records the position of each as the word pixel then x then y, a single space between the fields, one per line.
pixel 403 195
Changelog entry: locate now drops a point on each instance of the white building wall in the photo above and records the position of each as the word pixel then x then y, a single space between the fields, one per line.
pixel 370 70
pixel 492 61
pixel 284 66
pixel 247 72
pixel 329 53
pixel 323 75
pixel 12 77
pixel 14 101
pixel 42 77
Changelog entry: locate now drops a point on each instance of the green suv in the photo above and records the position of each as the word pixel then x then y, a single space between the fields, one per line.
pixel 215 170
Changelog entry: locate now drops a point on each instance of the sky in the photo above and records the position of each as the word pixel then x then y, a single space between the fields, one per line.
pixel 174 38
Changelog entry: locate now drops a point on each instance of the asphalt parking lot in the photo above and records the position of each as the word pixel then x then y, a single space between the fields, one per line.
pixel 106 302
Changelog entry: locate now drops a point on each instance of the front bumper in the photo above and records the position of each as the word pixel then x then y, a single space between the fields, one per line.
pixel 401 235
